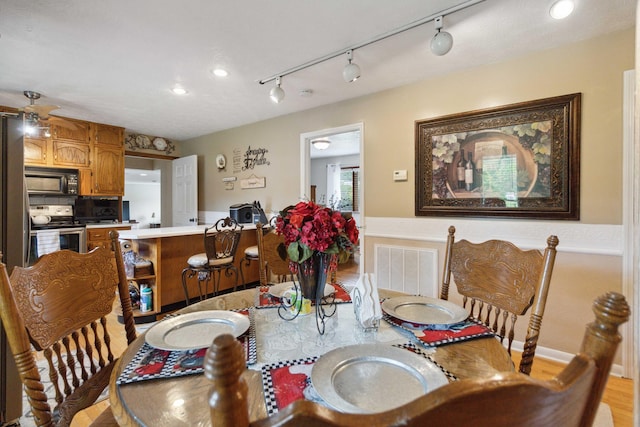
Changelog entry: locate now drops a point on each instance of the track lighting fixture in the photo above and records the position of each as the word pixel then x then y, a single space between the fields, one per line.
pixel 442 41
pixel 277 93
pixel 351 71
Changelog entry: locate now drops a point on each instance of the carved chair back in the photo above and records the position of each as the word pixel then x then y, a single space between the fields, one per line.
pixel 58 308
pixel 273 258
pixel 221 241
pixel 499 282
pixel 571 399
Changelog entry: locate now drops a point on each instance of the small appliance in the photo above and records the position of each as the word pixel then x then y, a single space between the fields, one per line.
pixel 242 213
pixel 51 181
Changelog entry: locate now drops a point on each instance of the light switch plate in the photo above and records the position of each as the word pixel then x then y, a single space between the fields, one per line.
pixel 400 175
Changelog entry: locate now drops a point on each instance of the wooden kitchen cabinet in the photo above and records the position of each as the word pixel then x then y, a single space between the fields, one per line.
pixel 70 154
pixel 99 237
pixel 70 130
pixel 108 135
pixel 108 170
pixel 36 151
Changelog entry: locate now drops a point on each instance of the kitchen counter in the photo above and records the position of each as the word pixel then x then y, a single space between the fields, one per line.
pixel 153 233
pixel 168 249
pixel 108 225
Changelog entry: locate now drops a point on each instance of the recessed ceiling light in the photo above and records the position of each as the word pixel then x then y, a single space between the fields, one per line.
pixel 143 174
pixel 179 90
pixel 561 9
pixel 219 72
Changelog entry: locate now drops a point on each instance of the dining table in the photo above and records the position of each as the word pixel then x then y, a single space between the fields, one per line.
pixel 181 400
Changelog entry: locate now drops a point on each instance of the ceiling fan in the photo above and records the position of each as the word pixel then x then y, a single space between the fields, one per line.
pixel 38 114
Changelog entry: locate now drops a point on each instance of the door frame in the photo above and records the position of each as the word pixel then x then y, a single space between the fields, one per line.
pixel 305 172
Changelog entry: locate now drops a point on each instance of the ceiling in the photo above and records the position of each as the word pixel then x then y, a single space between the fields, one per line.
pixel 115 61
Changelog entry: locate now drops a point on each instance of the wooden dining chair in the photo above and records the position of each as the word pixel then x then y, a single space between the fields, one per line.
pixel 57 308
pixel 220 246
pixel 500 282
pixel 273 258
pixel 568 400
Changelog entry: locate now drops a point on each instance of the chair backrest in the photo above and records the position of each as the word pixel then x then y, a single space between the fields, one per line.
pixel 273 257
pixel 221 239
pixel 499 282
pixel 569 400
pixel 58 307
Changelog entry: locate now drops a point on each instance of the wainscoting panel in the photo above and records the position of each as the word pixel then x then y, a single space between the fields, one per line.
pixel 410 270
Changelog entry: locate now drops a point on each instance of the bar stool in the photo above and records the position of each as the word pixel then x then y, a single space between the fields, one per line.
pixel 252 253
pixel 220 245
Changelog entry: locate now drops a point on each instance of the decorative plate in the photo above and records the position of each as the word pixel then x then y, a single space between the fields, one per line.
pixel 160 144
pixel 195 330
pixel 369 378
pixel 424 310
pixel 279 289
pixel 143 141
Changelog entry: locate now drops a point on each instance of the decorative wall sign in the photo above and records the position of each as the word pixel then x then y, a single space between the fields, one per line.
pixel 255 157
pixel 253 182
pixel 237 160
pixel 519 160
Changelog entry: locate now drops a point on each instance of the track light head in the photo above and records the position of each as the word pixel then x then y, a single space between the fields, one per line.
pixel 442 41
pixel 351 71
pixel 277 93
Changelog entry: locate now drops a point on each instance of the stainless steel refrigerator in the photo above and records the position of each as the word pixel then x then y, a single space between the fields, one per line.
pixel 13 237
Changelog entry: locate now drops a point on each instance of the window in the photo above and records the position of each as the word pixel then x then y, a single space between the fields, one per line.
pixel 349 189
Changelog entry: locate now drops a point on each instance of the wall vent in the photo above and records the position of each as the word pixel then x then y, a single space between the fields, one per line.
pixel 405 269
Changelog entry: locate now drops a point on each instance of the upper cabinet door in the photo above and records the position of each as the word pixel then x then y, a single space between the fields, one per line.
pixel 108 171
pixel 35 151
pixel 71 154
pixel 70 130
pixel 106 134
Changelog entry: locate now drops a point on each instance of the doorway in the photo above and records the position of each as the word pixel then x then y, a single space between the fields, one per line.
pixel 334 176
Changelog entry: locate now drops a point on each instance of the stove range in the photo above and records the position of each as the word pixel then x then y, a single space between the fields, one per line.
pixel 61 217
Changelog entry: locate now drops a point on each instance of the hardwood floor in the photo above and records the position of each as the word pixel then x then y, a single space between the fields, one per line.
pixel 618 394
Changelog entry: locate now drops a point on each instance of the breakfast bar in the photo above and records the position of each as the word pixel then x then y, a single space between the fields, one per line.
pixel 168 249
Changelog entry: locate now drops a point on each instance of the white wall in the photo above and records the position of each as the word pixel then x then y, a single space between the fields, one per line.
pixel 144 200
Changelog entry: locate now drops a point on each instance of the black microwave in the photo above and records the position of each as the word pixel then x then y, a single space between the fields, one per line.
pixel 51 181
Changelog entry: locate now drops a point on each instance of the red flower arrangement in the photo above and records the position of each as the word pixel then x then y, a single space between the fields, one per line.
pixel 308 228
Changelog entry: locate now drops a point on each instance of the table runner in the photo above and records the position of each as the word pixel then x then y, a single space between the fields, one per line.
pixel 266 300
pixel 151 363
pixel 436 336
pixel 290 380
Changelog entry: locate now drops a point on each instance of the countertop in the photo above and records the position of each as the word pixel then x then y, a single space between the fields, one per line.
pixel 109 225
pixel 152 233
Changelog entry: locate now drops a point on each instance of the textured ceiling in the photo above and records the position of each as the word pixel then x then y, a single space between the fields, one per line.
pixel 115 61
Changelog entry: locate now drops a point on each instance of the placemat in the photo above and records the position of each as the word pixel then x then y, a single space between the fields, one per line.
pixel 266 300
pixel 290 380
pixel 151 363
pixel 430 337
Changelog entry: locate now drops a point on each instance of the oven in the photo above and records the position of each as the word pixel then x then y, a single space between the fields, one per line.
pixel 59 232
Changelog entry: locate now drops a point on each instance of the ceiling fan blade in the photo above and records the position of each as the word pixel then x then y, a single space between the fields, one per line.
pixel 58 121
pixel 40 109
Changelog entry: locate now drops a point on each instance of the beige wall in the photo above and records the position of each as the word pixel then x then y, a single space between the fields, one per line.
pixel 593 67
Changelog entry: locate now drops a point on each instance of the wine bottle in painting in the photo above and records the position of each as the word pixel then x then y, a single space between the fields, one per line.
pixel 460 171
pixel 469 168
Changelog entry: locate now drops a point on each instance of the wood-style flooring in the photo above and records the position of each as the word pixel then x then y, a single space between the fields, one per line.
pixel 618 394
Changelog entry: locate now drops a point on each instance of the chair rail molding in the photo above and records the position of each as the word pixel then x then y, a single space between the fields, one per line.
pixel 600 239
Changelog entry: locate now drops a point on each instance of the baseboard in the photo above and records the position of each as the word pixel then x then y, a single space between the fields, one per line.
pixel 561 356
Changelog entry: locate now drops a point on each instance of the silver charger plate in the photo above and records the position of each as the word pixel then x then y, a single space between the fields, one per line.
pixel 370 378
pixel 424 310
pixel 195 330
pixel 279 289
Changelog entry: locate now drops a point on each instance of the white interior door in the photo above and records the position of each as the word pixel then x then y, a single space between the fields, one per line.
pixel 185 191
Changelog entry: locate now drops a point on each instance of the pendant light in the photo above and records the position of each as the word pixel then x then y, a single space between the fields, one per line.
pixel 442 41
pixel 277 93
pixel 351 71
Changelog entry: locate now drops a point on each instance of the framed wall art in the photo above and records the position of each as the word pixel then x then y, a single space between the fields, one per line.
pixel 516 161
